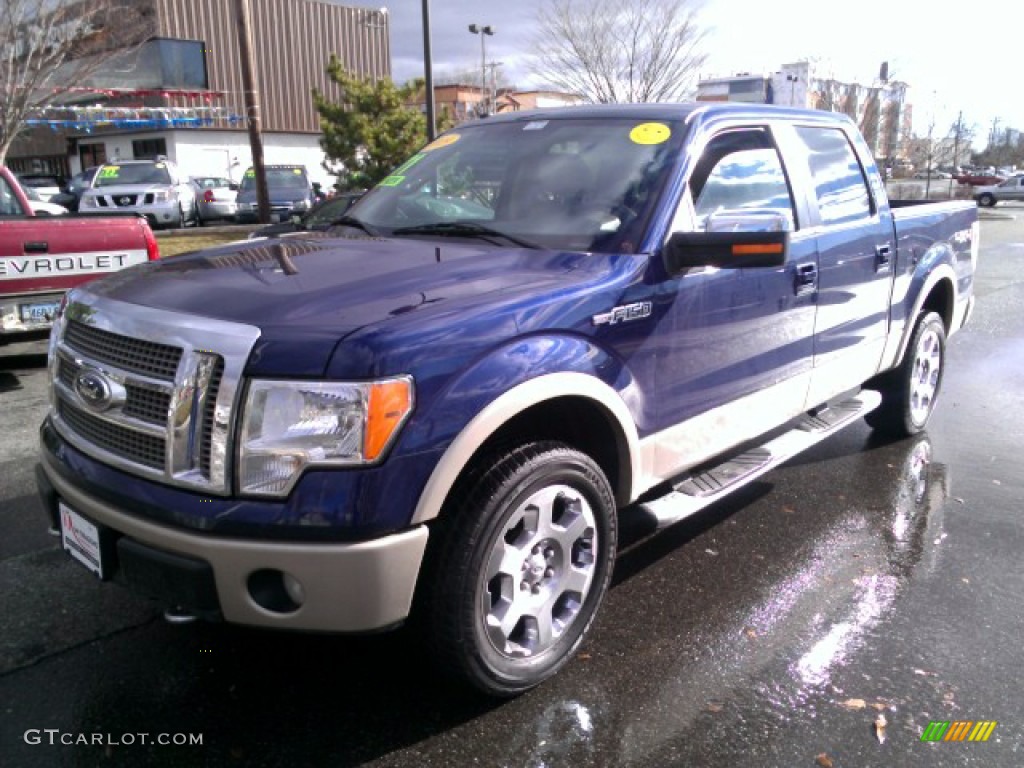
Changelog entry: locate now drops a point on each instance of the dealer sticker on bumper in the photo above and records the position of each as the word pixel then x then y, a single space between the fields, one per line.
pixel 81 538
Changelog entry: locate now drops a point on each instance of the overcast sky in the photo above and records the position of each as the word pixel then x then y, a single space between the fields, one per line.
pixel 954 55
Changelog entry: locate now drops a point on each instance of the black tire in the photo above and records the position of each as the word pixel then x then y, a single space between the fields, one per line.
pixel 909 392
pixel 987 200
pixel 532 533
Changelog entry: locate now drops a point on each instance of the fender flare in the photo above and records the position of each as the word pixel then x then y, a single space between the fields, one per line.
pixel 938 274
pixel 505 407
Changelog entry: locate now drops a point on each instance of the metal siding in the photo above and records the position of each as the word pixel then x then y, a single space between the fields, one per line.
pixel 293 41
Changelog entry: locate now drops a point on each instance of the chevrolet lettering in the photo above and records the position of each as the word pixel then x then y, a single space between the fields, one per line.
pixel 542 324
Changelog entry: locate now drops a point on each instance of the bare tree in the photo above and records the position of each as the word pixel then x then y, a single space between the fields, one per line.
pixel 619 50
pixel 49 46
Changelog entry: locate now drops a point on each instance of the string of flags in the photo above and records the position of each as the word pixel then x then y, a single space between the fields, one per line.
pixel 87 118
pixel 84 117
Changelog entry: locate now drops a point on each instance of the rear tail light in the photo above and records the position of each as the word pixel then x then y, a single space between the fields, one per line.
pixel 152 249
pixel 208 196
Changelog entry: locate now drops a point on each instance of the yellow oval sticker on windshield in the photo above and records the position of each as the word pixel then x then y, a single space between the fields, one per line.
pixel 444 141
pixel 650 133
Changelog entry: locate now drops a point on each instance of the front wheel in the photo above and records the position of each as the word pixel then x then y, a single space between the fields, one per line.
pixel 987 200
pixel 909 391
pixel 523 561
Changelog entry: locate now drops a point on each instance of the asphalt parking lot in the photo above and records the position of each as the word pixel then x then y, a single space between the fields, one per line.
pixel 825 616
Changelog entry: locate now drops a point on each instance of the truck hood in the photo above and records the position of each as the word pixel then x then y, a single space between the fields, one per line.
pixel 307 292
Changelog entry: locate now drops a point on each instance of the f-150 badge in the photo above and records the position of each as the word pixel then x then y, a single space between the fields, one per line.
pixel 624 313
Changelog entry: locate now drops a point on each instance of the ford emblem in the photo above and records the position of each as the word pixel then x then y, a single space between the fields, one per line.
pixel 95 390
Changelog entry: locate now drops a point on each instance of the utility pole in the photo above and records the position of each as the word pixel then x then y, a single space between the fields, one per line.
pixel 428 73
pixel 957 130
pixel 252 107
pixel 493 66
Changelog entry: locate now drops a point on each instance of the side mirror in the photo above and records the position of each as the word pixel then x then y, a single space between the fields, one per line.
pixel 725 250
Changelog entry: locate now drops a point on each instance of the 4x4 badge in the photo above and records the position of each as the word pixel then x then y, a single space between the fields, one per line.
pixel 621 314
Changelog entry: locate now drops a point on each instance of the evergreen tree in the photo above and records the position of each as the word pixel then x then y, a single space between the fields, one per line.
pixel 370 129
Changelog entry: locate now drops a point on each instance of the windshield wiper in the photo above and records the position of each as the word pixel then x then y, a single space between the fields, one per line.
pixel 463 229
pixel 352 221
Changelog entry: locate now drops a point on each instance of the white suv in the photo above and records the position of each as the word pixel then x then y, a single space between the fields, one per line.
pixel 156 189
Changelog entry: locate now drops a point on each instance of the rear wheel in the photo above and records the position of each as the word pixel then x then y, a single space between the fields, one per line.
pixel 987 200
pixel 909 392
pixel 522 563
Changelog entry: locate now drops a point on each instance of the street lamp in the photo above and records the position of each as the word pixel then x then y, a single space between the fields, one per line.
pixel 793 80
pixel 483 31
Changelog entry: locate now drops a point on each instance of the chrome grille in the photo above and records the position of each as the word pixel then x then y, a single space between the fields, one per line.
pixel 147 404
pixel 144 403
pixel 206 438
pixel 135 355
pixel 120 441
pixel 159 397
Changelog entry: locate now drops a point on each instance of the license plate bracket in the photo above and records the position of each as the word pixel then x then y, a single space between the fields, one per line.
pixel 87 542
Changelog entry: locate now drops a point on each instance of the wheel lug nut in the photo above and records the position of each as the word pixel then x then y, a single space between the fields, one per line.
pixel 524 586
pixel 536 549
pixel 536 589
pixel 549 553
pixel 549 573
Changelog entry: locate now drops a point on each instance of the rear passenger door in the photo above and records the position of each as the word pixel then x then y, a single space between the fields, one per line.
pixel 855 246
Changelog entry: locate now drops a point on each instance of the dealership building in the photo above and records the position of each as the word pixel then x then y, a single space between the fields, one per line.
pixel 181 94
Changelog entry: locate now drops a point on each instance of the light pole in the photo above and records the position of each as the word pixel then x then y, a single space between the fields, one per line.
pixel 793 80
pixel 428 73
pixel 483 31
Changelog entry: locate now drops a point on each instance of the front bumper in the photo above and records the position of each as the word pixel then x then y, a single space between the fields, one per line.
pixel 347 587
pixel 157 214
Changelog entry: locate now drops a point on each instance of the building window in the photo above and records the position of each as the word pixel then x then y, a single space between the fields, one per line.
pixel 149 149
pixel 92 154
pixel 158 63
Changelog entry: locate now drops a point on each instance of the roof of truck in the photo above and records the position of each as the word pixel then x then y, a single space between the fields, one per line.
pixel 668 111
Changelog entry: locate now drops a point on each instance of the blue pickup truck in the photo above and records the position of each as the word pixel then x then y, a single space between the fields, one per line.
pixel 439 408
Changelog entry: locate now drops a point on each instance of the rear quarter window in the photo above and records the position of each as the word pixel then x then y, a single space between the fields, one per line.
pixel 839 182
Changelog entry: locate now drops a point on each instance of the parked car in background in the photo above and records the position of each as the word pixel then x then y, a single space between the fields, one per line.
pixel 320 217
pixel 979 178
pixel 156 189
pixel 72 191
pixel 217 198
pixel 934 173
pixel 1011 189
pixel 45 185
pixel 289 188
pixel 41 207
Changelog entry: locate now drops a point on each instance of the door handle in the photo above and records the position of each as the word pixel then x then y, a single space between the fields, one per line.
pixel 883 257
pixel 37 246
pixel 806 278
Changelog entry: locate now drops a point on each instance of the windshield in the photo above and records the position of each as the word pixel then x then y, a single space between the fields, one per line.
pixel 565 184
pixel 143 173
pixel 277 179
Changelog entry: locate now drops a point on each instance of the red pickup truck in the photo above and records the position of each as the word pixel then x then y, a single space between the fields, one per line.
pixel 42 257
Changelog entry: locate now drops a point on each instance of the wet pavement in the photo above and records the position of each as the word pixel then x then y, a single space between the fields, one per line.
pixel 863 582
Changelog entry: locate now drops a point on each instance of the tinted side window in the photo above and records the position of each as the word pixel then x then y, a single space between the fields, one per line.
pixel 9 205
pixel 838 178
pixel 739 184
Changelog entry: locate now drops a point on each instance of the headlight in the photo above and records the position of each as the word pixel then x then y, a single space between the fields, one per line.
pixel 87 201
pixel 162 196
pixel 290 425
pixel 301 205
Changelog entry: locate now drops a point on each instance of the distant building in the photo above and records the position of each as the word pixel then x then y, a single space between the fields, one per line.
pixel 881 110
pixel 182 95
pixel 466 102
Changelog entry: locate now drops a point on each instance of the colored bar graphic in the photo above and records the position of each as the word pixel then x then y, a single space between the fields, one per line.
pixel 935 731
pixel 959 730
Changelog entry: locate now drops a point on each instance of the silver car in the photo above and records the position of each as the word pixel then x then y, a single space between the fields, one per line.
pixel 155 189
pixel 216 198
pixel 1011 189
